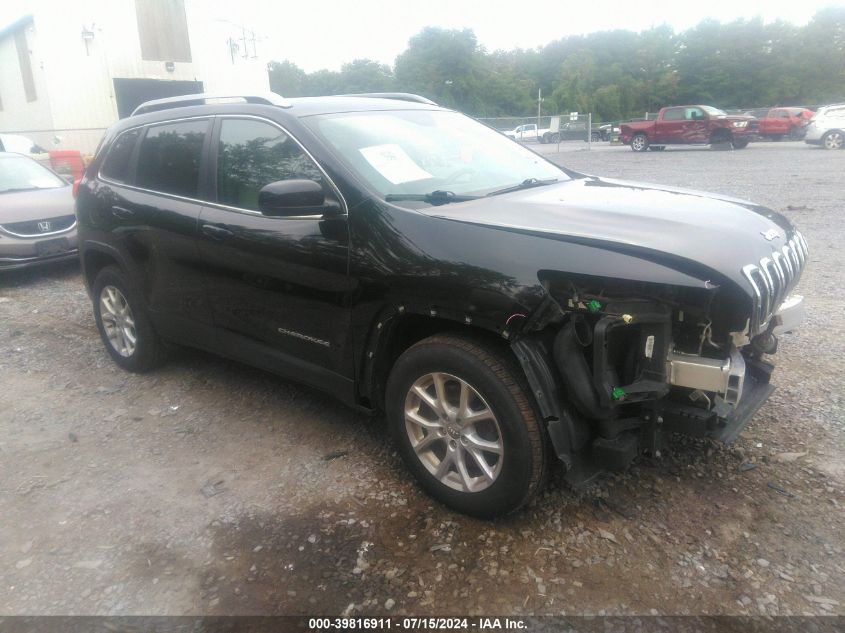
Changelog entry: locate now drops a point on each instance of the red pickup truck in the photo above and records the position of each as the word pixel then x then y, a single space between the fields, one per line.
pixel 788 122
pixel 689 125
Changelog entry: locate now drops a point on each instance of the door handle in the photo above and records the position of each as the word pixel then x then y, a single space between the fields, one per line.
pixel 216 232
pixel 122 212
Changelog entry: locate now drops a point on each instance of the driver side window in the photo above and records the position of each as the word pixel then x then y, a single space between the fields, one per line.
pixel 694 114
pixel 250 155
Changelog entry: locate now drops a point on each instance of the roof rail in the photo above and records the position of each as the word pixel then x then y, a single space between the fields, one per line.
pixel 399 96
pixel 269 98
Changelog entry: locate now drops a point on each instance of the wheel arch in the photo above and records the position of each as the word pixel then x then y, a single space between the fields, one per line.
pixel 96 256
pixel 721 135
pixel 397 330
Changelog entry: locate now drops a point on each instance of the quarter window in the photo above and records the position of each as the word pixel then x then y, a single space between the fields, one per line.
pixel 252 154
pixel 169 158
pixel 117 163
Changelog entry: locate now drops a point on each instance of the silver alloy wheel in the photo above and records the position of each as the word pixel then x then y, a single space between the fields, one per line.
pixel 638 142
pixel 454 432
pixel 833 140
pixel 118 321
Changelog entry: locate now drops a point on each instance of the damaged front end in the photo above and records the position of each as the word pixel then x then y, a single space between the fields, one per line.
pixel 616 365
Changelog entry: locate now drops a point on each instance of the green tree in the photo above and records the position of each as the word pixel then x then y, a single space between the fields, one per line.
pixel 288 79
pixel 365 75
pixel 614 74
pixel 444 65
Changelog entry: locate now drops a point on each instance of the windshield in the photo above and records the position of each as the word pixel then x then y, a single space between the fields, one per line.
pixel 19 173
pixel 714 111
pixel 417 152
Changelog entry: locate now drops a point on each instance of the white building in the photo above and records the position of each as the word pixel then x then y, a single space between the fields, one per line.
pixel 69 70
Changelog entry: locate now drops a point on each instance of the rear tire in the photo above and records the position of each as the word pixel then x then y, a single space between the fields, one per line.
pixel 833 140
pixel 435 388
pixel 639 143
pixel 124 326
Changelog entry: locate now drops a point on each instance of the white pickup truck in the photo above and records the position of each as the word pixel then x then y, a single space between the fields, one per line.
pixel 529 132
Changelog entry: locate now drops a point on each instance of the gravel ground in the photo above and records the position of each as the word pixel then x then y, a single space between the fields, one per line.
pixel 208 487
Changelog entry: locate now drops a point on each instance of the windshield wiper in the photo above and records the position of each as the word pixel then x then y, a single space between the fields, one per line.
pixel 19 189
pixel 435 197
pixel 528 183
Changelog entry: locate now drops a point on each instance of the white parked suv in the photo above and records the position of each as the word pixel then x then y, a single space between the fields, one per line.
pixel 827 127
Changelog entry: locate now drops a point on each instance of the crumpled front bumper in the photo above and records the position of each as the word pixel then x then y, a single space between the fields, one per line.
pixel 742 381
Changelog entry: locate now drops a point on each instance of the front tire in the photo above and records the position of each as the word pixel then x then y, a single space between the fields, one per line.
pixel 833 140
pixel 639 143
pixel 740 144
pixel 463 422
pixel 124 326
pixel 721 139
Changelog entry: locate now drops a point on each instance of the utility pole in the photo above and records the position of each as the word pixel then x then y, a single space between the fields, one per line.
pixel 539 102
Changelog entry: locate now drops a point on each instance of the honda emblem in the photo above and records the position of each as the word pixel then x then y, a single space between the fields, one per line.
pixel 44 227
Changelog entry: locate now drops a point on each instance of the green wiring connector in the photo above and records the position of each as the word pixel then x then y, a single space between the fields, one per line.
pixel 618 394
pixel 593 305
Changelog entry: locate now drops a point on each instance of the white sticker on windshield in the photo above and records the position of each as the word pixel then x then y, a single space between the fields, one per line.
pixel 393 163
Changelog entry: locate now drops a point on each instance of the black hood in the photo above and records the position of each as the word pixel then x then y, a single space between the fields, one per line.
pixel 662 224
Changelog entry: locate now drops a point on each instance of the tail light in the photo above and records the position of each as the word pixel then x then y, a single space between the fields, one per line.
pixel 76 186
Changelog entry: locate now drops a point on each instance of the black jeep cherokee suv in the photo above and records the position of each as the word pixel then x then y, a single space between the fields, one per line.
pixel 407 259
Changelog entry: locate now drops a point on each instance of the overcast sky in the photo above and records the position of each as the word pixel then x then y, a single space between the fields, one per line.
pixel 328 33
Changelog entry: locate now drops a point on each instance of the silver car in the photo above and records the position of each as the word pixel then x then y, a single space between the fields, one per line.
pixel 37 221
pixel 827 127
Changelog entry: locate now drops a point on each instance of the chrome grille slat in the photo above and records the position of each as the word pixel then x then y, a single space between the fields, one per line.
pixel 794 255
pixel 769 283
pixel 777 279
pixel 773 278
pixel 803 244
pixel 788 261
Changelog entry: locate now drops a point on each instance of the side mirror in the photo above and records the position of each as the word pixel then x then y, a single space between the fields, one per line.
pixel 292 197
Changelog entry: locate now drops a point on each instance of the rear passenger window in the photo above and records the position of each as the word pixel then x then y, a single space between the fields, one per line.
pixel 169 159
pixel 116 165
pixel 673 114
pixel 252 154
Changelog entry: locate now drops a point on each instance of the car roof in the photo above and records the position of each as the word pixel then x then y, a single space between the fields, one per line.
pixel 310 106
pixel 299 107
